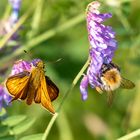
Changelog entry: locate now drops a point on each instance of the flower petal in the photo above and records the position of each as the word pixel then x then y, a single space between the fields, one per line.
pixel 83 87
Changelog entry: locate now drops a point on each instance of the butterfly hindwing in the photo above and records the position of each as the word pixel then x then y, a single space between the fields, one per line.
pixel 52 89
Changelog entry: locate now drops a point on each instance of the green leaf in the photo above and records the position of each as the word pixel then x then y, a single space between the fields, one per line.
pixel 7 138
pixel 14 120
pixel 3 130
pixel 33 137
pixel 23 126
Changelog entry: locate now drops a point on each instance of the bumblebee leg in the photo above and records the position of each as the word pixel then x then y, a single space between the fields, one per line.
pixel 99 90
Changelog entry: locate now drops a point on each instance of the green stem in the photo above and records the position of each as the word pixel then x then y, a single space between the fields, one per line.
pixel 49 126
pixel 35 41
pixel 134 50
pixel 65 132
pixel 123 20
pixel 76 79
pixel 131 135
pixel 35 24
pixel 7 12
pixel 50 33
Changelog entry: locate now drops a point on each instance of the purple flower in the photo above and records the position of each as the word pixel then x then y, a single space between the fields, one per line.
pixel 16 4
pixel 5 98
pixel 102 46
pixel 15 10
pixel 21 66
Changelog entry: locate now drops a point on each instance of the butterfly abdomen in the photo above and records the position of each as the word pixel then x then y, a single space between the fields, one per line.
pixel 35 81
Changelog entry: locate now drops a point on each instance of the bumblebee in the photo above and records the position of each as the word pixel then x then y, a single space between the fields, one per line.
pixel 111 79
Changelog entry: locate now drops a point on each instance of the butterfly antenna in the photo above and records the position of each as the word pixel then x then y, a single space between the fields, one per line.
pixel 28 54
pixel 25 52
pixel 58 60
pixel 55 61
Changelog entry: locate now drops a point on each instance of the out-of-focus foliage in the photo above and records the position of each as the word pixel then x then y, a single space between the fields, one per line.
pixel 78 120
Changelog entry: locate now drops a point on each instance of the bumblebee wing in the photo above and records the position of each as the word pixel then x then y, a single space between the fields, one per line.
pixel 42 95
pixel 110 97
pixel 53 91
pixel 127 84
pixel 17 85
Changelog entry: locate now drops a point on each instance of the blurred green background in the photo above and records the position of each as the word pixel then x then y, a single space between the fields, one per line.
pixel 57 29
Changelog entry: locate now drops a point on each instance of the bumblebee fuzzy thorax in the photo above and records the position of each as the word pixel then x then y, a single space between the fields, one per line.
pixel 111 79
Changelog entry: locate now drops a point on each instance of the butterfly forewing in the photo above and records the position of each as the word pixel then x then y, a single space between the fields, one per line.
pixel 45 98
pixel 17 85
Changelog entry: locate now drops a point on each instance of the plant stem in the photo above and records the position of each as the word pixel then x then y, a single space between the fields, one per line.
pixel 131 135
pixel 35 24
pixel 65 132
pixel 49 126
pixel 7 12
pixel 123 20
pixel 76 79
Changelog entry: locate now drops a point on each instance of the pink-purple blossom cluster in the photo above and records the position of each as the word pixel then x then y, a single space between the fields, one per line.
pixel 20 66
pixel 23 65
pixel 102 46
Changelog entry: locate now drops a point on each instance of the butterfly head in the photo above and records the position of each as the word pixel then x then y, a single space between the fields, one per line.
pixel 38 63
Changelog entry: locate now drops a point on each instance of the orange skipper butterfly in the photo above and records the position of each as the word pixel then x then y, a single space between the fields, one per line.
pixel 31 84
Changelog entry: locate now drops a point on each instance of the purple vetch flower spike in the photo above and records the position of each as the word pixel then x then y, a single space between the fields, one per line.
pixel 21 66
pixel 102 46
pixel 16 4
pixel 5 98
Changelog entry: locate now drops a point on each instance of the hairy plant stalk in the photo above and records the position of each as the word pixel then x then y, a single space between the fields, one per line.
pixel 76 79
pixel 131 135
